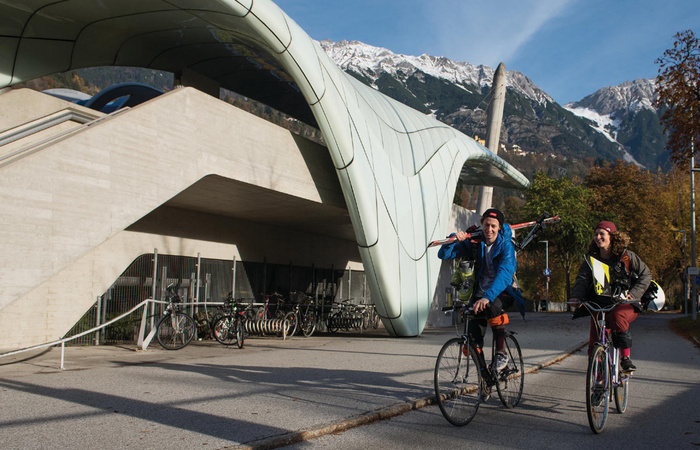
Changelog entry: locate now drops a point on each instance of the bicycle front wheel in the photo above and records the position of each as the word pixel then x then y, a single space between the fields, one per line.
pixel 240 332
pixel 511 379
pixel 225 330
pixel 175 330
pixel 621 393
pixel 309 324
pixel 458 382
pixel 375 320
pixel 597 389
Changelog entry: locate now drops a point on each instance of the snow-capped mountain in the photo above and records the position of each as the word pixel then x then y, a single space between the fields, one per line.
pixel 627 116
pixel 372 62
pixel 616 122
pixel 629 98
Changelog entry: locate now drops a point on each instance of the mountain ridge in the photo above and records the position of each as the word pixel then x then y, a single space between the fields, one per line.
pixel 615 122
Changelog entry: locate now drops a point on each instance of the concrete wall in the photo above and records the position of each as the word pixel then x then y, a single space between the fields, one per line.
pixel 65 206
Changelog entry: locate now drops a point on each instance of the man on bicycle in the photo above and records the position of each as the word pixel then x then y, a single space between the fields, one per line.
pixel 608 254
pixel 494 257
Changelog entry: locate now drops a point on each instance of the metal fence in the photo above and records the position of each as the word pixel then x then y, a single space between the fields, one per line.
pixel 205 283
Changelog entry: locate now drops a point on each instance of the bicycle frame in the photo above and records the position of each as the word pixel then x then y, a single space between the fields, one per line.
pixel 604 339
pixel 458 392
pixel 462 379
pixel 467 313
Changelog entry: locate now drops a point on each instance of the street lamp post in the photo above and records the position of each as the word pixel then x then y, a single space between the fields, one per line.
pixel 693 284
pixel 547 272
pixel 685 275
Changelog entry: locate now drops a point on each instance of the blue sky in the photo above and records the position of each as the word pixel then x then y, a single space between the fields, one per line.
pixel 570 48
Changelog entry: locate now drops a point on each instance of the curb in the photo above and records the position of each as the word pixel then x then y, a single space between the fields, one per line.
pixel 369 417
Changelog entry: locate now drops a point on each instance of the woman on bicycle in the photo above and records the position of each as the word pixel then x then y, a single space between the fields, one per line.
pixel 495 265
pixel 627 272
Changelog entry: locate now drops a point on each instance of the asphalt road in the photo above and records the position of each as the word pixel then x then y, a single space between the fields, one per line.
pixel 663 410
pixel 208 396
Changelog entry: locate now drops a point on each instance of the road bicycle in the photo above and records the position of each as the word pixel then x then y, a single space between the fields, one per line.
pixel 230 328
pixel 175 329
pixel 463 380
pixel 604 380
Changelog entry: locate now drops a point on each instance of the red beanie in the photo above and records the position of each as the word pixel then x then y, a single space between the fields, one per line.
pixel 607 226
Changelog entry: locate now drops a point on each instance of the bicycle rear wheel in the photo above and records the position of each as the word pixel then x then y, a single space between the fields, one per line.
pixel 334 322
pixel 457 382
pixel 597 389
pixel 510 381
pixel 225 330
pixel 175 330
pixel 621 394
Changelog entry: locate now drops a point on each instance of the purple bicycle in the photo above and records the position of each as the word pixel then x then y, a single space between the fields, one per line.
pixel 604 380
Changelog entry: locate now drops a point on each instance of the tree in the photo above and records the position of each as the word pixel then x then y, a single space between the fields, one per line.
pixel 569 239
pixel 639 204
pixel 678 88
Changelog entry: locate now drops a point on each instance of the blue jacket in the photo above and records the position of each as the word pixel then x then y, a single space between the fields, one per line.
pixel 502 259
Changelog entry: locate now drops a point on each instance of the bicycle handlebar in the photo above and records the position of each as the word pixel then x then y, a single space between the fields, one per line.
pixel 459 306
pixel 597 308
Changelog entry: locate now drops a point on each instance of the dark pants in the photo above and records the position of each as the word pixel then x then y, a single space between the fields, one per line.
pixel 618 322
pixel 493 315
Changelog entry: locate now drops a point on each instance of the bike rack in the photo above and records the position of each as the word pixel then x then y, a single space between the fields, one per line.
pixel 267 326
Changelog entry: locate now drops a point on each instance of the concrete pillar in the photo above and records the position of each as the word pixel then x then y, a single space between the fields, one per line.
pixel 493 127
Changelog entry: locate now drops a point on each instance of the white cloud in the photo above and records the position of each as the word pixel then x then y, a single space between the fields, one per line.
pixel 490 32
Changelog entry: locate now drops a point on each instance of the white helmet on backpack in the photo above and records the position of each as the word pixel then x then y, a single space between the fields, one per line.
pixel 654 298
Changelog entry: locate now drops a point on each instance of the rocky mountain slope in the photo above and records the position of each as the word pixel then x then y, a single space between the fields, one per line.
pixel 613 123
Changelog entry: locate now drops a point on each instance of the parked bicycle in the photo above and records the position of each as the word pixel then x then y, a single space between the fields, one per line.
pixel 304 311
pixel 347 317
pixel 370 317
pixel 270 318
pixel 462 378
pixel 175 329
pixel 205 319
pixel 604 379
pixel 230 328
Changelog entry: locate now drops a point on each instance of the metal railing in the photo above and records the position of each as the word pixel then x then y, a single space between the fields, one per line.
pixel 144 340
pixel 44 123
pixel 62 342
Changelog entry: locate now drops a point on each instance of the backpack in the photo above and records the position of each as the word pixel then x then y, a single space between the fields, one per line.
pixel 464 278
pixel 610 280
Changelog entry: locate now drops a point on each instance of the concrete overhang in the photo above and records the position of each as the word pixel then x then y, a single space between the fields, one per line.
pixel 227 197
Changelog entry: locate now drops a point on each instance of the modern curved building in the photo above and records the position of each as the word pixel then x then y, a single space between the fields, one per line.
pixel 89 201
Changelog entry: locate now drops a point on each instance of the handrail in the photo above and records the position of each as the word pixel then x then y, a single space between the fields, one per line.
pixel 44 122
pixel 142 342
pixel 24 151
pixel 64 340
